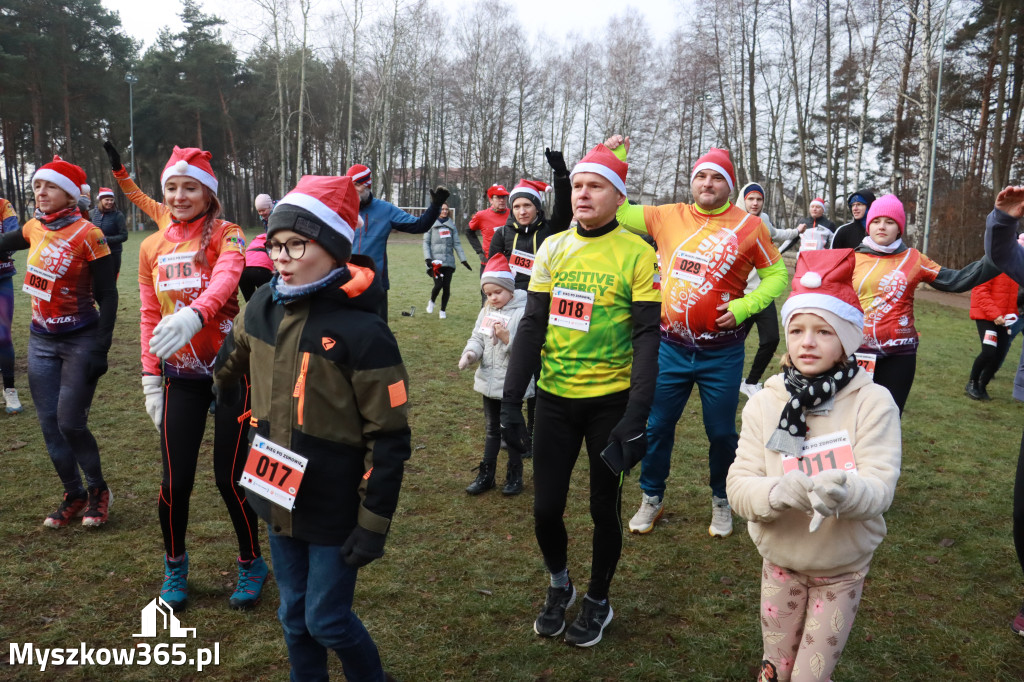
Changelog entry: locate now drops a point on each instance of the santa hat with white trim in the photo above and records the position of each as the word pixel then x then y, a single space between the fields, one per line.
pixel 192 163
pixel 818 201
pixel 497 272
pixel 717 160
pixel 67 176
pixel 530 189
pixel 823 286
pixel 361 174
pixel 105 192
pixel 603 161
pixel 324 208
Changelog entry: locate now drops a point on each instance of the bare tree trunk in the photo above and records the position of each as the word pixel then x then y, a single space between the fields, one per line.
pixel 927 116
pixel 354 20
pixel 800 123
pixel 304 6
pixel 908 60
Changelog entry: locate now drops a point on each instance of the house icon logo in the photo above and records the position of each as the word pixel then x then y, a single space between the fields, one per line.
pixel 158 615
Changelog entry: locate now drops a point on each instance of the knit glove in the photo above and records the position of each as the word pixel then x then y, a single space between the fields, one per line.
pixel 791 492
pixel 112 154
pixel 95 365
pixel 513 426
pixel 627 442
pixel 362 547
pixel 153 388
pixel 557 162
pixel 467 359
pixel 439 196
pixel 174 331
pixel 467 266
pixel 830 487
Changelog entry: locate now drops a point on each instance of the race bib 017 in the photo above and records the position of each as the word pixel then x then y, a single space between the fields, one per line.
pixel 273 472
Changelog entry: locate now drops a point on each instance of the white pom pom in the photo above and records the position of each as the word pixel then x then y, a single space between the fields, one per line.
pixel 180 167
pixel 811 280
pixel 549 189
pixel 360 223
pixel 86 190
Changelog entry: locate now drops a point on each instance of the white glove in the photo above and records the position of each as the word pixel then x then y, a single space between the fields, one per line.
pixel 153 388
pixel 830 487
pixel 791 492
pixel 467 359
pixel 173 332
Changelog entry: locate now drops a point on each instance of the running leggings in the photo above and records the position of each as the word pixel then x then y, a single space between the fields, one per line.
pixel 562 425
pixel 991 356
pixel 896 373
pixel 186 404
pixel 1018 507
pixel 6 343
pixel 767 323
pixel 443 284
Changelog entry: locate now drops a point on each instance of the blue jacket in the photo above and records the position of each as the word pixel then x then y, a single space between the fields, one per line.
pixel 379 218
pixel 113 226
pixel 1002 247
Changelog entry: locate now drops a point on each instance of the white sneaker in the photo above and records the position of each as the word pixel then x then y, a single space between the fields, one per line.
pixel 651 509
pixel 430 307
pixel 750 389
pixel 11 398
pixel 721 518
pixel 443 315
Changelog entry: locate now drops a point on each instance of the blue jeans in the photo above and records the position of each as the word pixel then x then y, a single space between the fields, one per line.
pixel 717 373
pixel 316 588
pixel 62 397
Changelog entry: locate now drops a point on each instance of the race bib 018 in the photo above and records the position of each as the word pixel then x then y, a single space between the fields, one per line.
pixel 571 309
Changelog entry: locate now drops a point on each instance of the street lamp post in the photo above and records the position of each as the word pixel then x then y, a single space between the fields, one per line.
pixel 131 79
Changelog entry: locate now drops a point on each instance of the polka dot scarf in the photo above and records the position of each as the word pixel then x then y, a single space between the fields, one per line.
pixel 814 394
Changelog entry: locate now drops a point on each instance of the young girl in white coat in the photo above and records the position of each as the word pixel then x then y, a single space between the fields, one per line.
pixel 491 345
pixel 817 464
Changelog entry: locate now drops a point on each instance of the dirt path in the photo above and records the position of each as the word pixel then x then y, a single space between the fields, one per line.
pixel 961 301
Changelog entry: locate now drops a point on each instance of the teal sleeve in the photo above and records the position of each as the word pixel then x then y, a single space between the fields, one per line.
pixel 774 279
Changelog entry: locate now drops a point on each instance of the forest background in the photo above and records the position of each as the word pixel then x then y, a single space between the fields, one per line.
pixel 812 98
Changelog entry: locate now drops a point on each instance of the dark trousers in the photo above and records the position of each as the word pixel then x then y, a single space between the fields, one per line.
pixel 896 373
pixel 562 426
pixel 991 357
pixel 492 433
pixel 767 323
pixel 186 404
pixel 442 285
pixel 1018 507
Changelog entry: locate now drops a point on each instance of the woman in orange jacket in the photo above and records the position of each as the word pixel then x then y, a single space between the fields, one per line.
pixel 993 309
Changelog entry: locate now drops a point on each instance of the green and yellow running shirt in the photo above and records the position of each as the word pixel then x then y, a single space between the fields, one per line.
pixel 592 281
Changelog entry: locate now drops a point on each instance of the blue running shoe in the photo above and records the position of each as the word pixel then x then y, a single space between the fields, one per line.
pixel 251 576
pixel 175 589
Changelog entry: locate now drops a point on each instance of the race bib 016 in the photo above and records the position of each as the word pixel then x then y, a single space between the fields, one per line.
pixel 176 271
pixel 273 472
pixel 831 451
pixel 571 309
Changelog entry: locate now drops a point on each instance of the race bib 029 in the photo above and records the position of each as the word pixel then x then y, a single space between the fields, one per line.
pixel 690 267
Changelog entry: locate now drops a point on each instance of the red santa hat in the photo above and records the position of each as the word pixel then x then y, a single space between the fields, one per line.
pixel 105 192
pixel 497 272
pixel 818 201
pixel 360 174
pixel 603 161
pixel 67 176
pixel 190 162
pixel 531 189
pixel 717 160
pixel 334 204
pixel 823 286
pixel 496 191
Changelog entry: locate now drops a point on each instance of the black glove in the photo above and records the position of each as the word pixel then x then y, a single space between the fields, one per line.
pixel 439 196
pixel 513 426
pixel 95 365
pixel 467 266
pixel 228 394
pixel 429 262
pixel 115 158
pixel 557 162
pixel 627 442
pixel 362 547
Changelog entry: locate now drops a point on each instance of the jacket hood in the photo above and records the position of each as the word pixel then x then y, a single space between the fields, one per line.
pixel 866 193
pixel 362 290
pixel 518 301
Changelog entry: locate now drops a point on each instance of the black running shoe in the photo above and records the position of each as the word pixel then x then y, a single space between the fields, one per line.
pixel 586 630
pixel 551 621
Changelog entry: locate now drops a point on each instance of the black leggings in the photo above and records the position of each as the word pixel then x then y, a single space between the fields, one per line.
pixel 186 404
pixel 991 357
pixel 767 323
pixel 492 433
pixel 896 373
pixel 443 282
pixel 1018 507
pixel 562 425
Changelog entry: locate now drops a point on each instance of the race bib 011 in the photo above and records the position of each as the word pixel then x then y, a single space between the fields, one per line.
pixel 831 451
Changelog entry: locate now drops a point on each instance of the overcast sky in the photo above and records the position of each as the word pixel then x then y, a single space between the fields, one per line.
pixel 143 20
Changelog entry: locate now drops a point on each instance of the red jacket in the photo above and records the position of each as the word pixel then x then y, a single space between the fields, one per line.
pixel 996 297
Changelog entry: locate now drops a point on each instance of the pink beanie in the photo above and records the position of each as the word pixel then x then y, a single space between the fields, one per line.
pixel 888 206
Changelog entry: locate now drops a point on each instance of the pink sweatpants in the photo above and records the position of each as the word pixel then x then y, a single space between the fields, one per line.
pixel 805 622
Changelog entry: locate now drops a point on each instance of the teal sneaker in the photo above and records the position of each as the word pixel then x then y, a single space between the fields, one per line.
pixel 251 576
pixel 175 589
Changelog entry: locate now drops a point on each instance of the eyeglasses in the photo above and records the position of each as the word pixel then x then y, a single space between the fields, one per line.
pixel 295 247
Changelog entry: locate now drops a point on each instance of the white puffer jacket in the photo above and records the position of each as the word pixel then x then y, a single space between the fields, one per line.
pixel 492 354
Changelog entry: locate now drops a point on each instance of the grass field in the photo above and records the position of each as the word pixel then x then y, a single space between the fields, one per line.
pixel 456 594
